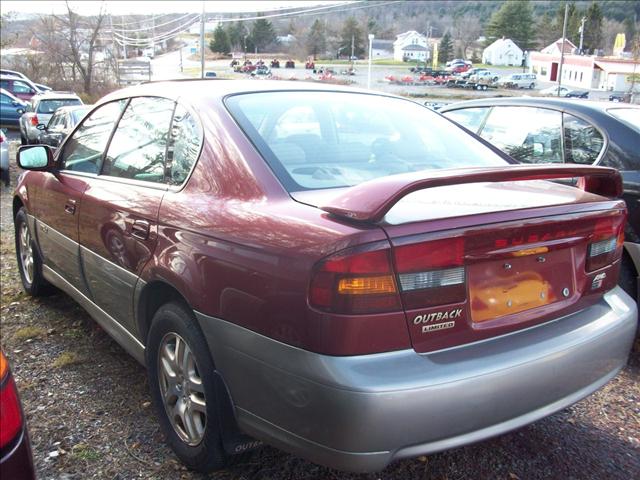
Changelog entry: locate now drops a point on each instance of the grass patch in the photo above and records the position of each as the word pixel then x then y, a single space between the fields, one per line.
pixel 73 333
pixel 26 333
pixel 84 452
pixel 66 359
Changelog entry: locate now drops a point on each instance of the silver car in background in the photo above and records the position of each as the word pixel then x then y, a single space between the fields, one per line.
pixel 39 111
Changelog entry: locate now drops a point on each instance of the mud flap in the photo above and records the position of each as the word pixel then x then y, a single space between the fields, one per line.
pixel 233 440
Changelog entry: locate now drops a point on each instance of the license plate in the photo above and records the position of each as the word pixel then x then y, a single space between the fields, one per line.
pixel 504 287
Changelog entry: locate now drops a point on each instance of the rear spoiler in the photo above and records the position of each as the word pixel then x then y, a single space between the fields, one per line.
pixel 370 201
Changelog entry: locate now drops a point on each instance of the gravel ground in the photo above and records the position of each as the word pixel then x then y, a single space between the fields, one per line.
pixel 89 415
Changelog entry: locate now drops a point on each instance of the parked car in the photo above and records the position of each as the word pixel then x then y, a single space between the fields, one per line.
pixel 13 73
pixel 210 74
pixel 578 94
pixel 4 158
pixel 11 108
pixel 16 461
pixel 620 97
pixel 23 89
pixel 536 130
pixel 519 80
pixel 483 76
pixel 553 90
pixel 61 123
pixel 343 274
pixel 40 110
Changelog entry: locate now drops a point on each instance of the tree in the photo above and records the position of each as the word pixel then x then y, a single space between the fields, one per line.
pixel 220 42
pixel 351 34
pixel 262 34
pixel 466 30
pixel 82 36
pixel 445 49
pixel 574 16
pixel 316 39
pixel 237 35
pixel 514 20
pixel 630 29
pixel 547 30
pixel 593 28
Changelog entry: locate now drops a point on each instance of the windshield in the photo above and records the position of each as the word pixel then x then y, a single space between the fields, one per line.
pixel 630 116
pixel 50 106
pixel 316 140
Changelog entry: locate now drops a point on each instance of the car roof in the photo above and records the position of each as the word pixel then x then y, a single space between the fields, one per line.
pixel 73 108
pixel 585 107
pixel 55 95
pixel 195 90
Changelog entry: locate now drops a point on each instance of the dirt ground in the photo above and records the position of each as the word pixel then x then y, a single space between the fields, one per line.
pixel 89 415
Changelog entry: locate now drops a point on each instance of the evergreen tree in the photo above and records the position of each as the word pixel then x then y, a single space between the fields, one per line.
pixel 547 31
pixel 593 28
pixel 220 41
pixel 262 34
pixel 574 16
pixel 514 20
pixel 445 49
pixel 237 33
pixel 317 39
pixel 351 31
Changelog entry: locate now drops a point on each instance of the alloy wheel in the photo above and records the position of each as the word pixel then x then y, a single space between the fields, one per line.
pixel 26 252
pixel 181 389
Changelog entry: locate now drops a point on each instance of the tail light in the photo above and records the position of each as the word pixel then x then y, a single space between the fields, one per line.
pixel 606 244
pixel 10 411
pixel 431 273
pixel 34 121
pixel 355 282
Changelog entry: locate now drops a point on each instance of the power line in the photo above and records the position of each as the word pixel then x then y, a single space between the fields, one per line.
pixel 156 26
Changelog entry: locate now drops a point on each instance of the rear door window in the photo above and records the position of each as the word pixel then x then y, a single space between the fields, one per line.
pixel 50 106
pixel 529 135
pixel 582 141
pixel 139 145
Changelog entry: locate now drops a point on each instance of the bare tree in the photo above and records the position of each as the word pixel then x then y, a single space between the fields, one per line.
pixel 466 30
pixel 82 35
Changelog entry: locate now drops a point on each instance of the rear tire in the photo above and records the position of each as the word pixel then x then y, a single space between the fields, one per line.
pixel 532 86
pixel 181 378
pixel 23 139
pixel 29 261
pixel 628 279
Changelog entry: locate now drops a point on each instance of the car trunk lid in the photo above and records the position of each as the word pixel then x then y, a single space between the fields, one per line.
pixel 476 260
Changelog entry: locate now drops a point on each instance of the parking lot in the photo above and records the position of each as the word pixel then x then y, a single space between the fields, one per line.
pixel 89 412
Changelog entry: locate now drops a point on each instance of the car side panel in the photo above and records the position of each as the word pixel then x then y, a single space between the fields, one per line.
pixel 114 249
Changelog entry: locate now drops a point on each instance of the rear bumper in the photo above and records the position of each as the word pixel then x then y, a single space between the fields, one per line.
pixel 359 413
pixel 17 464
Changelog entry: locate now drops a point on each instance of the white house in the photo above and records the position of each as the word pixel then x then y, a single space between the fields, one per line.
pixel 502 52
pixel 410 45
pixel 556 47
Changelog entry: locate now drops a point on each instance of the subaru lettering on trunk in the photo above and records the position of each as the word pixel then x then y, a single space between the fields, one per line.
pixel 330 271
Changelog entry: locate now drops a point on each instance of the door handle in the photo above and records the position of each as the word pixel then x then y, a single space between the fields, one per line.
pixel 70 206
pixel 140 229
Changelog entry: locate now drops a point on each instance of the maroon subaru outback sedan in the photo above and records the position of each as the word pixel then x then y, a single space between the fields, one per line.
pixel 348 276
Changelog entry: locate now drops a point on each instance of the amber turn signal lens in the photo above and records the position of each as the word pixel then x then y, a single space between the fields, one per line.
pixel 367 285
pixel 4 366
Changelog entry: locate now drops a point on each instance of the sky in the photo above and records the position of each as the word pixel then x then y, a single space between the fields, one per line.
pixel 123 7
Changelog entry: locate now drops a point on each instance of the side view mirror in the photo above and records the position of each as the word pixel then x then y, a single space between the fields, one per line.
pixel 35 157
pixel 20 110
pixel 41 126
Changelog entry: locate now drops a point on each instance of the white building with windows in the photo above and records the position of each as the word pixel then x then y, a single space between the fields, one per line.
pixel 582 71
pixel 410 45
pixel 502 52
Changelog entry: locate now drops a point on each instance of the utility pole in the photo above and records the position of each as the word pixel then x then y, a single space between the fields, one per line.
pixel 124 42
pixel 371 37
pixel 114 50
pixel 202 42
pixel 584 19
pixel 353 39
pixel 564 36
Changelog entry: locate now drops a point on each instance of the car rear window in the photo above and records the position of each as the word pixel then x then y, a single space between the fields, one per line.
pixel 316 140
pixel 630 116
pixel 50 106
